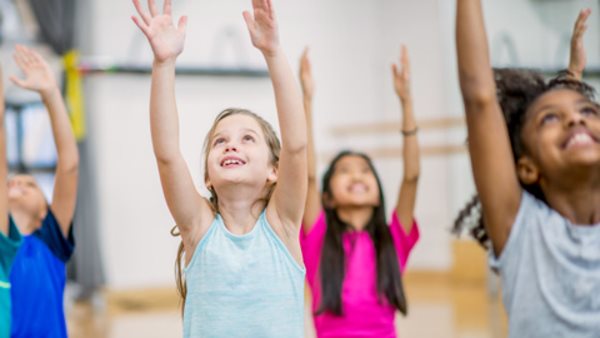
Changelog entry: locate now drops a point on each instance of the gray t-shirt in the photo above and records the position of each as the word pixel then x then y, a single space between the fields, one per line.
pixel 550 271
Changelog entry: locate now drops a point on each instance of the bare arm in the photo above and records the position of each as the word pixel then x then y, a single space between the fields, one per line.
pixel 313 198
pixel 489 145
pixel 290 193
pixel 407 195
pixel 577 60
pixel 39 78
pixel 185 203
pixel 3 165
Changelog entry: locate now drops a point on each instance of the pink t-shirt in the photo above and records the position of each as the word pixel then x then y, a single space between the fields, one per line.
pixel 364 315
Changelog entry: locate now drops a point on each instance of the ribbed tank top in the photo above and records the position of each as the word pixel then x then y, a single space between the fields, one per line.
pixel 243 285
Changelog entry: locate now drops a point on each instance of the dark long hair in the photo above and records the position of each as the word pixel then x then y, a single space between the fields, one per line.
pixel 332 267
pixel 517 90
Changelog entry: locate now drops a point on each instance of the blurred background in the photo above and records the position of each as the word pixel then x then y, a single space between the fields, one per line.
pixel 122 275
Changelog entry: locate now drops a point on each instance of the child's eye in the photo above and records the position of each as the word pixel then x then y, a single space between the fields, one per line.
pixel 218 141
pixel 248 138
pixel 549 118
pixel 589 111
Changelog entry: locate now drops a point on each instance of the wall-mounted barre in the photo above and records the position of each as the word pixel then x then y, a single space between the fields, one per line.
pixel 88 68
pixel 395 126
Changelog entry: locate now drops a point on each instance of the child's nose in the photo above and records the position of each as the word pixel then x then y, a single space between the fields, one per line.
pixel 575 119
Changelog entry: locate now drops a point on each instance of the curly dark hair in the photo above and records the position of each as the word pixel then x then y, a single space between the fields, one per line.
pixel 517 90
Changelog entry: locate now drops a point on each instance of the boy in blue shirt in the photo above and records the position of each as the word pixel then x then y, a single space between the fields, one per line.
pixel 38 274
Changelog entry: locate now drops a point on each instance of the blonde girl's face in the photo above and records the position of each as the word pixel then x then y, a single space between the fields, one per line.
pixel 25 194
pixel 353 183
pixel 238 153
pixel 562 131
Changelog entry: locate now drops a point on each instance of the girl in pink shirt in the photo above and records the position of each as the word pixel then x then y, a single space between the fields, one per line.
pixel 354 260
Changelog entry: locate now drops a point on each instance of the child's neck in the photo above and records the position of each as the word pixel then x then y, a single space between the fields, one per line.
pixel 579 201
pixel 240 209
pixel 25 222
pixel 356 217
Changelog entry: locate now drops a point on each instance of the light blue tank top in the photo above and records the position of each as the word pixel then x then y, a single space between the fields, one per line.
pixel 243 286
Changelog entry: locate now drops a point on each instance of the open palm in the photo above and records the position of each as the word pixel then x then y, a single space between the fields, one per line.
pixel 263 26
pixel 402 75
pixel 578 57
pixel 165 39
pixel 306 79
pixel 38 75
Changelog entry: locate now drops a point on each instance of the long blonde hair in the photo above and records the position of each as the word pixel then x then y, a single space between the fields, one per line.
pixel 274 146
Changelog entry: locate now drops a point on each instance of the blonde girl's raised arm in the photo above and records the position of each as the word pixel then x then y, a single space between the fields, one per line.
pixel 185 203
pixel 405 206
pixel 289 196
pixel 489 145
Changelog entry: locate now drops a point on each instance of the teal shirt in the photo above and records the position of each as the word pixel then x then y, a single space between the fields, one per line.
pixel 244 286
pixel 9 246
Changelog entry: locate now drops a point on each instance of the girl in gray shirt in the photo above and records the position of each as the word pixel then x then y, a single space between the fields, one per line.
pixel 535 153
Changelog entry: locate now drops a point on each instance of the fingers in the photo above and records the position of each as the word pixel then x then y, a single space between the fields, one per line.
pixel 167 7
pixel 141 12
pixel 152 8
pixel 182 24
pixel 269 8
pixel 580 24
pixel 249 21
pixel 405 60
pixel 17 81
pixel 141 25
pixel 304 60
pixel 21 57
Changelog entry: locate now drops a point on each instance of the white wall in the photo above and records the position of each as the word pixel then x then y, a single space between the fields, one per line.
pixel 352 45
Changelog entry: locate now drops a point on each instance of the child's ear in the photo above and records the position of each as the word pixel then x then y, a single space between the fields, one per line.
pixel 527 171
pixel 208 185
pixel 273 175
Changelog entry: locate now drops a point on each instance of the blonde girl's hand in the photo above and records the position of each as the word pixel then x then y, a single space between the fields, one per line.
pixel 306 79
pixel 38 75
pixel 165 39
pixel 578 58
pixel 401 75
pixel 262 26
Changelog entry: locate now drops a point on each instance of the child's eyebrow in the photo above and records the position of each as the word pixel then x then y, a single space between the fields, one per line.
pixel 250 131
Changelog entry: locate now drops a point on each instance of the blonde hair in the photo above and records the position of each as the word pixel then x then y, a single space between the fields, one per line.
pixel 274 146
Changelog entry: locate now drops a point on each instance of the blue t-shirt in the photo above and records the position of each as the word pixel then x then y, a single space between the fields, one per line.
pixel 550 271
pixel 38 280
pixel 243 286
pixel 8 249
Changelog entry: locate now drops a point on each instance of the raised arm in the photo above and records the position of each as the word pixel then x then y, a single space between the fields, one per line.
pixel 313 198
pixel 577 60
pixel 290 193
pixel 39 78
pixel 3 164
pixel 489 145
pixel 186 205
pixel 407 196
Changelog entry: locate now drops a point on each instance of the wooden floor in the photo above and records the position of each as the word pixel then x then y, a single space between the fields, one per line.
pixel 440 306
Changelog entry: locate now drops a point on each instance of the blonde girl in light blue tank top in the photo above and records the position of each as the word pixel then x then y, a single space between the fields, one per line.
pixel 244 271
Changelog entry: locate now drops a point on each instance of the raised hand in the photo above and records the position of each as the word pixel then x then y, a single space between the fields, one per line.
pixel 165 39
pixel 306 79
pixel 38 75
pixel 578 58
pixel 263 27
pixel 401 75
